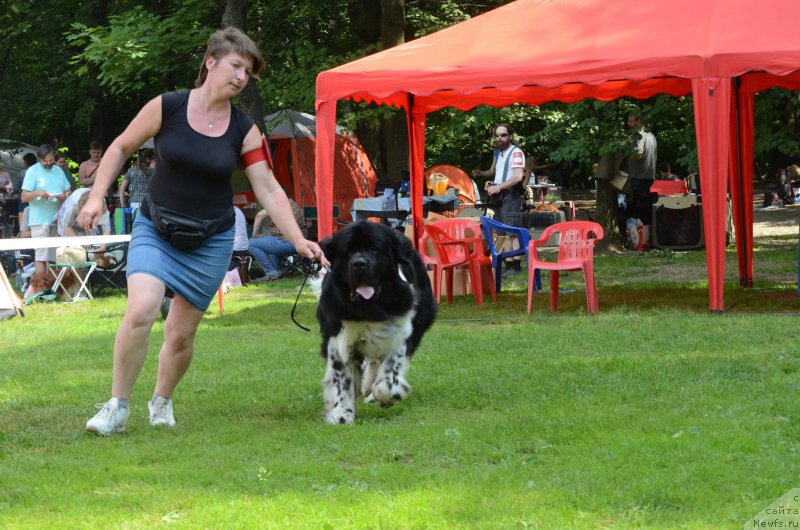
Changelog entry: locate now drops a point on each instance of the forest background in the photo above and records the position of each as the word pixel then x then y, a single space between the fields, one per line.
pixel 76 71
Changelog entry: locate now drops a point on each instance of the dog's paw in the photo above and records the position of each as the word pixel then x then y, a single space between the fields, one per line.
pixel 388 391
pixel 340 415
pixel 370 400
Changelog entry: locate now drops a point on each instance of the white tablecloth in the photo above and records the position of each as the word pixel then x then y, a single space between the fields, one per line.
pixel 403 204
pixel 55 242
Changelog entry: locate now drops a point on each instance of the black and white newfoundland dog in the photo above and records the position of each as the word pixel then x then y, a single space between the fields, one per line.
pixel 375 303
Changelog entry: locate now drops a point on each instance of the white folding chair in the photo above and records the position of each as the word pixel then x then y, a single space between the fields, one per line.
pixel 83 282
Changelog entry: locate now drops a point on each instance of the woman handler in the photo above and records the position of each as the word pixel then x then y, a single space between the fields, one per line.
pixel 184 238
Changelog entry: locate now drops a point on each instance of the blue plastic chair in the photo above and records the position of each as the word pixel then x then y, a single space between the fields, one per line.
pixel 490 227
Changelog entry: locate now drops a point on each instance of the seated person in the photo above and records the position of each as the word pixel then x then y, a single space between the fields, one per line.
pixel 67 219
pixel 665 172
pixel 234 277
pixel 240 233
pixel 268 245
pixel 24 227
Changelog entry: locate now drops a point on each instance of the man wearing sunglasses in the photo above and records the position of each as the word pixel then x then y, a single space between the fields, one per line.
pixel 508 163
pixel 505 190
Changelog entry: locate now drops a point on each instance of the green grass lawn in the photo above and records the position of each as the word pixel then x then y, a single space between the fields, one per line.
pixel 653 413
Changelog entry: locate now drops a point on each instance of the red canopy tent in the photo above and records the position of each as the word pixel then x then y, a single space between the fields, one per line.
pixel 533 51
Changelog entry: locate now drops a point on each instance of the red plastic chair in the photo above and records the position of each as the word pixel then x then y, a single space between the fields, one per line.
pixel 470 231
pixel 431 259
pixel 456 247
pixel 575 253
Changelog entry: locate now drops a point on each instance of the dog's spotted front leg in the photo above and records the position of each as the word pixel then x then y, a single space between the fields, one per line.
pixel 338 389
pixel 391 386
pixel 370 374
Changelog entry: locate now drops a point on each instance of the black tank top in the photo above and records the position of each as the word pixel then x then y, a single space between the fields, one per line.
pixel 193 171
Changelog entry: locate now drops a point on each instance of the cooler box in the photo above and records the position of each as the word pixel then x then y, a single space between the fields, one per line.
pixel 678 223
pixel 541 220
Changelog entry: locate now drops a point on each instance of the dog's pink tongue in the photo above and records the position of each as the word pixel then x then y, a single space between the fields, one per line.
pixel 365 291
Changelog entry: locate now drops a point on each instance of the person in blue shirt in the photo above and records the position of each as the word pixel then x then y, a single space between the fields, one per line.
pixel 45 187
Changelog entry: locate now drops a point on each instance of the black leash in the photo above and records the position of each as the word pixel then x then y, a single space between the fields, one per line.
pixel 308 268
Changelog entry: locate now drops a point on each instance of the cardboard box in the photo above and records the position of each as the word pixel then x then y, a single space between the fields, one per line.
pixel 432 217
pixel 462 285
pixel 408 230
pixel 621 182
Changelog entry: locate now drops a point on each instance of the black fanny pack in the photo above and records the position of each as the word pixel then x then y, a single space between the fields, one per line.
pixel 182 231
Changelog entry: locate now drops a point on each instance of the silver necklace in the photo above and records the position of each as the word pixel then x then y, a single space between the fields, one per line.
pixel 210 123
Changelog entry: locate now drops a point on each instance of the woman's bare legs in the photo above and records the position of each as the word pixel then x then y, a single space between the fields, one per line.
pixel 145 294
pixel 176 352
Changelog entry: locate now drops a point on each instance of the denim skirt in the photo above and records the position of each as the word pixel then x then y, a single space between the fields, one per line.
pixel 195 276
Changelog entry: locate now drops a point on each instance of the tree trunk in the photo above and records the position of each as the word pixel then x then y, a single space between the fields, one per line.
pixel 369 135
pixel 235 15
pixel 606 208
pixel 365 21
pixel 394 131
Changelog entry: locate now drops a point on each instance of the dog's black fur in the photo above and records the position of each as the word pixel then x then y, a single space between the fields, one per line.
pixel 375 304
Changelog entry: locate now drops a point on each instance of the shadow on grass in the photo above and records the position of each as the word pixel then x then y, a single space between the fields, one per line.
pixel 512 304
pixel 694 298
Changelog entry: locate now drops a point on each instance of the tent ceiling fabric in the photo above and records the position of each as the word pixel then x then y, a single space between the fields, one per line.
pixel 11 154
pixel 533 51
pixel 290 124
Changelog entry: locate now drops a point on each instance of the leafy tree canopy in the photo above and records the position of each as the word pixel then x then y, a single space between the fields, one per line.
pixel 72 71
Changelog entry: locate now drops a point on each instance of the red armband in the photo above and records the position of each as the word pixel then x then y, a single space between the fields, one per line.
pixel 260 154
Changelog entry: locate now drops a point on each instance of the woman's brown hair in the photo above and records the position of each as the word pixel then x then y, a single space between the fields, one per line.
pixel 227 40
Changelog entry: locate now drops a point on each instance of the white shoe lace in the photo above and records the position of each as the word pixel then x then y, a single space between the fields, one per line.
pixel 161 412
pixel 107 421
pixel 106 411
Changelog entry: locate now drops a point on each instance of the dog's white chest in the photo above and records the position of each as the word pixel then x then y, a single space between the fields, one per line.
pixel 376 340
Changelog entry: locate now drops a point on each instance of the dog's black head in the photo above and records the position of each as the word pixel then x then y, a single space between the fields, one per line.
pixel 375 275
pixel 364 259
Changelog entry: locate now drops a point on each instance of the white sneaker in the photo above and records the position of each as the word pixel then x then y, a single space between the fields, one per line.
pixel 161 412
pixel 111 418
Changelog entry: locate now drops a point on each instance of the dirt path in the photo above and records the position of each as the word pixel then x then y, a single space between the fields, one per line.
pixel 771 227
pixel 766 222
pixel 776 222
